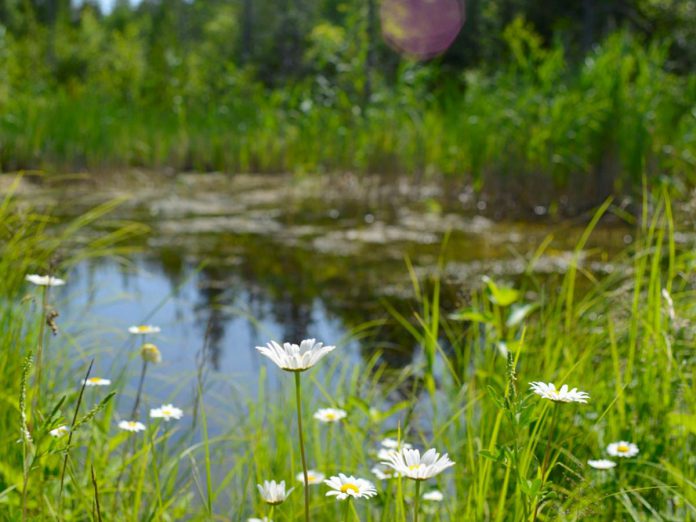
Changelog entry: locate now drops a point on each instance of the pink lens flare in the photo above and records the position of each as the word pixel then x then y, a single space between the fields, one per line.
pixel 421 29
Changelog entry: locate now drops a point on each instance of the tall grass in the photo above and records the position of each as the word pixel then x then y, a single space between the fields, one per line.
pixel 541 123
pixel 517 455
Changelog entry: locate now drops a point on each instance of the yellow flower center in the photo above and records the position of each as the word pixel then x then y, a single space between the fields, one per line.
pixel 131 424
pixel 622 448
pixel 143 328
pixel 330 416
pixel 345 488
pixel 94 379
pixel 166 411
pixel 414 467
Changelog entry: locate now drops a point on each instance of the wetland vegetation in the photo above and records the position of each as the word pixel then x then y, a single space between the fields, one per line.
pixel 487 226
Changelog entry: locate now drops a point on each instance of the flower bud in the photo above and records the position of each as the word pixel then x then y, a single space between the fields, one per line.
pixel 150 353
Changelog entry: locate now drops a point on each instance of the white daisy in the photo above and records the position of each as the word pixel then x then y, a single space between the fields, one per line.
pixel 144 329
pixel 294 358
pixel 59 432
pixel 273 492
pixel 410 463
pixel 96 381
pixel 386 454
pixel 549 391
pixel 313 477
pixel 434 496
pixel 45 280
pixel 150 353
pixel 343 487
pixel 166 412
pixel 394 444
pixel 330 414
pixel 622 449
pixel 133 426
pixel 382 472
pixel 601 464
pixel 391 447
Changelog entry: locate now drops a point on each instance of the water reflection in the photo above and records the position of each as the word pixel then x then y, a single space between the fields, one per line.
pixel 239 261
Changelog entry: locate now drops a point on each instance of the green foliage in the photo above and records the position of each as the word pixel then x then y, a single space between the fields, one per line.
pixel 311 88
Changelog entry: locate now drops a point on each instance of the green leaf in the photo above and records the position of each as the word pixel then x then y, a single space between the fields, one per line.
pixel 531 487
pixel 501 295
pixel 471 315
pixel 495 456
pixel 496 396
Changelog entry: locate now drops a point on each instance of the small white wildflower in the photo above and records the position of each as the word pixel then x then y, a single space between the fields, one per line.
pixel 434 496
pixel 273 492
pixel 313 477
pixel 409 463
pixel 383 472
pixel 96 381
pixel 133 426
pixel 601 464
pixel 144 329
pixel 343 487
pixel 166 412
pixel 622 449
pixel 295 358
pixel 549 391
pixel 330 415
pixel 44 280
pixel 59 432
pixel 394 444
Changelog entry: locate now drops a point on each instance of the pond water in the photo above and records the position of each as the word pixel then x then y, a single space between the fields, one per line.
pixel 240 260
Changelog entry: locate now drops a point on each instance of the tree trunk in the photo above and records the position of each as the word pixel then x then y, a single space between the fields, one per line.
pixel 371 39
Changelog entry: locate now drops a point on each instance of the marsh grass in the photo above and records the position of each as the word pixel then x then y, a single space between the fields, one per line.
pixel 607 333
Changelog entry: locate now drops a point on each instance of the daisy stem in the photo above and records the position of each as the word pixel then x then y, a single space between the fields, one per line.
pixel 416 502
pixel 329 445
pixel 271 512
pixel 298 393
pixel 547 458
pixel 42 332
pixel 134 414
pixel 353 509
pixel 346 511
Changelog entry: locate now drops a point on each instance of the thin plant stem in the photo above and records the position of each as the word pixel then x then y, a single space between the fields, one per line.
pixel 346 511
pixel 329 445
pixel 136 404
pixel 547 458
pixel 26 436
pixel 354 509
pixel 298 393
pixel 39 348
pixel 96 495
pixel 134 413
pixel 25 481
pixel 416 502
pixel 71 432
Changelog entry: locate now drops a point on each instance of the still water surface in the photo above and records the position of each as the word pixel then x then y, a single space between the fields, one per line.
pixel 245 259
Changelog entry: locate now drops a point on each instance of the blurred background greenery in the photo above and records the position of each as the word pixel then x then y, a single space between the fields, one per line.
pixel 533 97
